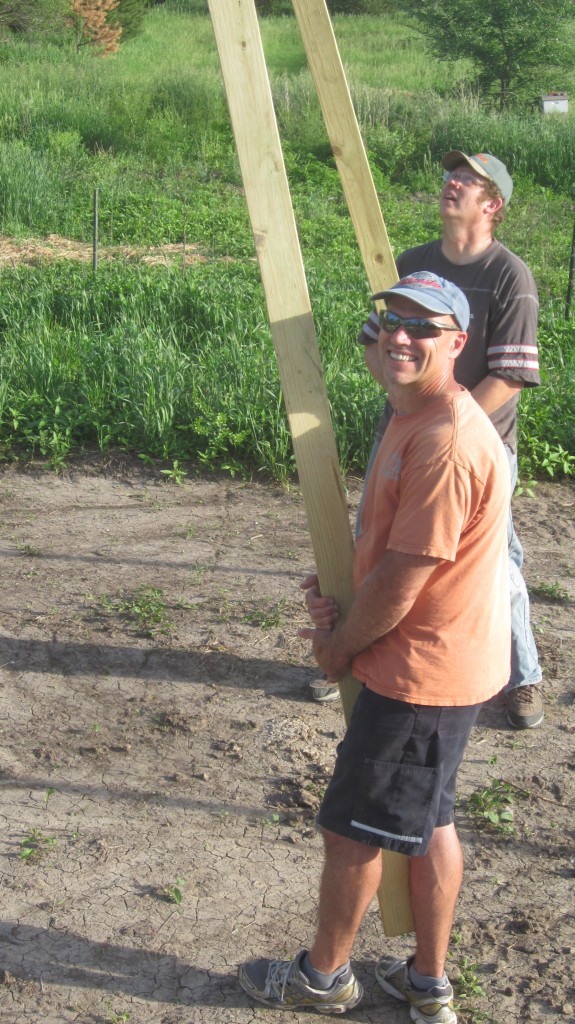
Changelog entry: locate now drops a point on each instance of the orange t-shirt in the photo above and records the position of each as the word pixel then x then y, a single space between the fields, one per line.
pixel 440 486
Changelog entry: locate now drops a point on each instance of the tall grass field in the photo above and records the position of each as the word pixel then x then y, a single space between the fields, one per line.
pixel 175 362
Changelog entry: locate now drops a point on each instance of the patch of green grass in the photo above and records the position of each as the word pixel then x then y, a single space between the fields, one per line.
pixel 177 363
pixel 146 607
pixel 550 591
pixel 268 615
pixel 29 550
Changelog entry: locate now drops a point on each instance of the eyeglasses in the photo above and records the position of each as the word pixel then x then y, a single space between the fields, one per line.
pixel 463 177
pixel 417 327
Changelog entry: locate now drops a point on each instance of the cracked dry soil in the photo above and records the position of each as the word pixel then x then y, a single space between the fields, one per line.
pixel 158 741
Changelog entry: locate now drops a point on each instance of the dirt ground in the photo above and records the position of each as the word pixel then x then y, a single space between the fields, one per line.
pixel 161 761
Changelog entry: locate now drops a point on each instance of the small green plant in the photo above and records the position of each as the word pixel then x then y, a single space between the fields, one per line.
pixel 490 806
pixel 468 984
pixel 199 572
pixel 173 893
pixel 34 844
pixel 526 487
pixel 271 819
pixel 177 474
pixel 267 617
pixel 49 792
pixel 224 607
pixel 146 607
pixel 121 1017
pixel 550 591
pixel 28 549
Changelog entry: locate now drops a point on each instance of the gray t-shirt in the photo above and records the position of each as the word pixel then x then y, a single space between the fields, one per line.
pixel 502 333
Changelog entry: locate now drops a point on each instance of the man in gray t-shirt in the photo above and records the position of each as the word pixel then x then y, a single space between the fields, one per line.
pixel 500 358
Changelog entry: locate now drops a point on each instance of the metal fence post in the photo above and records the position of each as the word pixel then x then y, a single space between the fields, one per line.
pixel 95 233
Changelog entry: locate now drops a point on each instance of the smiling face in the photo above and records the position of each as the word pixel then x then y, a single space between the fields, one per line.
pixel 416 370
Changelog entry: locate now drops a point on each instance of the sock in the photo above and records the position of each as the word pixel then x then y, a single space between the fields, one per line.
pixel 319 980
pixel 425 981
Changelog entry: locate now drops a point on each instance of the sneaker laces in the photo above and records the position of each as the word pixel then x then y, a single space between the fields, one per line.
pixel 524 694
pixel 277 978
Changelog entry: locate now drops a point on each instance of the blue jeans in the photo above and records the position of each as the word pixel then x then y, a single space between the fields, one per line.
pixel 525 668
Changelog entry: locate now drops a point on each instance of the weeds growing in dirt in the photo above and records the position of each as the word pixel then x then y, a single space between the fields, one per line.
pixel 490 806
pixel 34 845
pixel 119 1017
pixel 268 616
pixel 550 591
pixel 146 607
pixel 173 893
pixel 29 550
pixel 177 474
pixel 468 984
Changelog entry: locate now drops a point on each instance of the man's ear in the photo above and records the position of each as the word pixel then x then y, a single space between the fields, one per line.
pixel 458 344
pixel 493 205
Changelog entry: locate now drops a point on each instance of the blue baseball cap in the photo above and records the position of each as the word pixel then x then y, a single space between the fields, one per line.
pixel 433 293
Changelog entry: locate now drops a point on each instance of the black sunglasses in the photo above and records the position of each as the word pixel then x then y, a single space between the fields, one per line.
pixel 416 326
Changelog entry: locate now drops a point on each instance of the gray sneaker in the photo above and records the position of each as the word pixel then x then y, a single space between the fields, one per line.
pixel 434 1006
pixel 282 983
pixel 525 707
pixel 322 692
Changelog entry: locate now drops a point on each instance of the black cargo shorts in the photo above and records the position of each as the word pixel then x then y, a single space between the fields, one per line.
pixel 395 774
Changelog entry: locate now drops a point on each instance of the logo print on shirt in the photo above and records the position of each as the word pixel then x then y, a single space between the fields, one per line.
pixel 391 467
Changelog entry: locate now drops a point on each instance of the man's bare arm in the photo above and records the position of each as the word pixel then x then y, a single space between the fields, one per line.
pixel 493 392
pixel 383 599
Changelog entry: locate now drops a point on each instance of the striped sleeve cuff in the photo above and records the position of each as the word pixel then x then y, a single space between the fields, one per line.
pixel 369 333
pixel 513 357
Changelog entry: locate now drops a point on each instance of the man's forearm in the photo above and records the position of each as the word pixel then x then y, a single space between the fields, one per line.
pixel 493 392
pixel 382 601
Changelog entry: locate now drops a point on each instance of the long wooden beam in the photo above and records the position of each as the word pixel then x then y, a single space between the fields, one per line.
pixel 346 142
pixel 283 276
pixel 344 134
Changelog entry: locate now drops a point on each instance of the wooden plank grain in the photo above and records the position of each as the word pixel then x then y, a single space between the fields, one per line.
pixel 343 130
pixel 274 230
pixel 333 93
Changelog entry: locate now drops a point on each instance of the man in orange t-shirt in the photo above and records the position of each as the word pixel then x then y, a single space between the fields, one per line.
pixel 437 492
pixel 429 634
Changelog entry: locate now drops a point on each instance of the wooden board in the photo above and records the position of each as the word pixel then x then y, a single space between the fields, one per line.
pixel 355 173
pixel 277 245
pixel 346 142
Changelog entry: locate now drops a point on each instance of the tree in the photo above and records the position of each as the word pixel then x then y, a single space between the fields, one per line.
pixel 129 15
pixel 89 19
pixel 33 17
pixel 514 47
